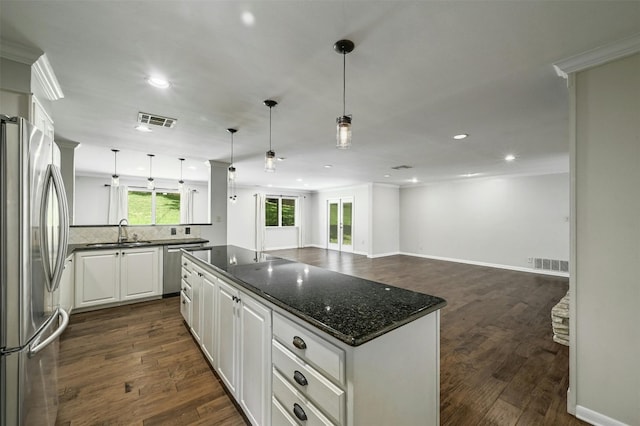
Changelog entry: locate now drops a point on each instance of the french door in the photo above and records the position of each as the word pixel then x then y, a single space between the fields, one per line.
pixel 340 229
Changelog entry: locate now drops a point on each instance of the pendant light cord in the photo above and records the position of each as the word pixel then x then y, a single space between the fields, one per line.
pixel 232 148
pixel 270 108
pixel 344 84
pixel 115 163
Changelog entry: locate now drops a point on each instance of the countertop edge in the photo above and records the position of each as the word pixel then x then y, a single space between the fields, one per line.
pixel 72 248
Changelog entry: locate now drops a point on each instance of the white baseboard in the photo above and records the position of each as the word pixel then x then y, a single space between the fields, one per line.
pixel 374 256
pixel 491 265
pixel 596 418
pixel 280 248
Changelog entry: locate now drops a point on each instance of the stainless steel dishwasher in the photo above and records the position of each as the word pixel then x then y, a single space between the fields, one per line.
pixel 171 267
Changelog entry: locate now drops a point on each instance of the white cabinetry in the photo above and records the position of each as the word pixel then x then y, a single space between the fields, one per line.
pixel 113 276
pixel 244 350
pixel 67 285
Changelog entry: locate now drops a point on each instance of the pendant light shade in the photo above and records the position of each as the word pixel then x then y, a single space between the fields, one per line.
pixel 115 179
pixel 343 123
pixel 181 182
pixel 150 183
pixel 231 175
pixel 270 156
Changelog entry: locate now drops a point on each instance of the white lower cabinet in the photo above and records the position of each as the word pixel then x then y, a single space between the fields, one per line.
pixel 111 276
pixel 244 350
pixel 67 285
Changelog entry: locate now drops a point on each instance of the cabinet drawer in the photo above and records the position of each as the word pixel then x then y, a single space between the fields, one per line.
pixel 295 404
pixel 310 347
pixel 187 264
pixel 318 388
pixel 279 415
pixel 185 307
pixel 186 288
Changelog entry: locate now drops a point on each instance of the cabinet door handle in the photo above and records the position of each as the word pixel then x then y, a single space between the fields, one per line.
pixel 299 343
pixel 184 276
pixel 184 302
pixel 117 253
pixel 184 264
pixel 299 378
pixel 299 412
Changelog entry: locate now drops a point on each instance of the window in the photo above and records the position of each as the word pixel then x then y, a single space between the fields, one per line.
pixel 153 207
pixel 279 211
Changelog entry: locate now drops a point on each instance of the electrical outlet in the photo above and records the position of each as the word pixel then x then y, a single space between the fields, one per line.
pixel 173 231
pixel 530 259
pixel 187 230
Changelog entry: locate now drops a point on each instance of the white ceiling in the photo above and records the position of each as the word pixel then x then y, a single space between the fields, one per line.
pixel 420 73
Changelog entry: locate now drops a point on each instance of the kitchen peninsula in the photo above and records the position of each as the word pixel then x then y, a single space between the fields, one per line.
pixel 293 342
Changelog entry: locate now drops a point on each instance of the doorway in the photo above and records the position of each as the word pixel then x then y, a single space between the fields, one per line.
pixel 340 229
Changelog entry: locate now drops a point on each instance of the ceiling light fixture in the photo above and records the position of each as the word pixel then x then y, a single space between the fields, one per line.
pixel 461 136
pixel 509 157
pixel 248 18
pixel 181 182
pixel 150 184
pixel 115 179
pixel 159 82
pixel 231 175
pixel 270 156
pixel 143 128
pixel 343 123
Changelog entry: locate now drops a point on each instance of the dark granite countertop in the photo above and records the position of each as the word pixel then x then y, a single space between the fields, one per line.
pixel 351 309
pixel 131 244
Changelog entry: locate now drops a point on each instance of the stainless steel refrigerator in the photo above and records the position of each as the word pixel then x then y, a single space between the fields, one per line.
pixel 35 227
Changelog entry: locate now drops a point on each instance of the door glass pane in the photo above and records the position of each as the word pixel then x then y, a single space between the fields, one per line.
pixel 333 223
pixel 139 205
pixel 346 223
pixel 288 212
pixel 167 208
pixel 271 212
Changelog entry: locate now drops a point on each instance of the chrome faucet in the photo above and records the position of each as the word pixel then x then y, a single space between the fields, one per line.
pixel 120 238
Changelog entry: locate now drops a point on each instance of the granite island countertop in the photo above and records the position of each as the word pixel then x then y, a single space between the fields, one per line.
pixel 353 310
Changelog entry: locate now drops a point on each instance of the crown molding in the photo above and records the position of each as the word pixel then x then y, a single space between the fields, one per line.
pixel 47 78
pixel 19 53
pixel 598 56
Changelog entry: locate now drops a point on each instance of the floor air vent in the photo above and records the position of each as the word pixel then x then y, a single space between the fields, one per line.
pixel 551 264
pixel 156 120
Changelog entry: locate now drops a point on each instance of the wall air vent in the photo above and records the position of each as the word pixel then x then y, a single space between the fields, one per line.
pixel 402 167
pixel 156 120
pixel 551 264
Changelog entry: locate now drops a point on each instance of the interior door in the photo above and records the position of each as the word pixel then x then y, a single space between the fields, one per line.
pixel 340 224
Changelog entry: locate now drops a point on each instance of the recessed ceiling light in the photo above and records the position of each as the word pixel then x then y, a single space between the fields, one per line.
pixel 248 19
pixel 387 176
pixel 143 128
pixel 470 174
pixel 159 82
pixel 299 180
pixel 461 136
pixel 327 166
pixel 414 180
pixel 281 158
pixel 509 157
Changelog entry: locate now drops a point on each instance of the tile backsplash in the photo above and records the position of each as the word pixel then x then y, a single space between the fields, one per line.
pixel 101 234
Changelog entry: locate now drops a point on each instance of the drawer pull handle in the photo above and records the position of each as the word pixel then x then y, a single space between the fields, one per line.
pixel 184 276
pixel 299 378
pixel 299 412
pixel 299 343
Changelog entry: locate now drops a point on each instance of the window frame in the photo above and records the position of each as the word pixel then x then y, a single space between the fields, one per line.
pixel 279 211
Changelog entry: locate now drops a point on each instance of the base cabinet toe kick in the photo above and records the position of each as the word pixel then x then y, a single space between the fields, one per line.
pixel 284 367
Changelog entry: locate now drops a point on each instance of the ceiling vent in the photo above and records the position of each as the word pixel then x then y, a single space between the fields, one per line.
pixel 156 120
pixel 402 167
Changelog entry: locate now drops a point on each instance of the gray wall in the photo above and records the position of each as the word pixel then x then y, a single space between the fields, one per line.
pixel 498 221
pixel 605 371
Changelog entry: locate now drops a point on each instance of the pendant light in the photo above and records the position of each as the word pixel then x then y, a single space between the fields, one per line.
pixel 181 182
pixel 343 123
pixel 231 175
pixel 150 184
pixel 270 156
pixel 115 179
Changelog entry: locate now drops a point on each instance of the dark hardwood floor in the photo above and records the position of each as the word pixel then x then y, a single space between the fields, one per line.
pixel 137 364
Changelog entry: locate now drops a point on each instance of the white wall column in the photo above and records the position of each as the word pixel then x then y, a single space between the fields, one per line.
pixel 68 171
pixel 217 232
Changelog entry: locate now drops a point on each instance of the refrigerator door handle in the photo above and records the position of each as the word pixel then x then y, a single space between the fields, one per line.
pixel 54 178
pixel 37 346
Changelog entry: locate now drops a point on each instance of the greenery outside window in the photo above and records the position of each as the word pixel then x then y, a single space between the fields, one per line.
pixel 153 207
pixel 279 211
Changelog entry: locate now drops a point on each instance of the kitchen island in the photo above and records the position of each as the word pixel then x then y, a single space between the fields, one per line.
pixel 296 343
